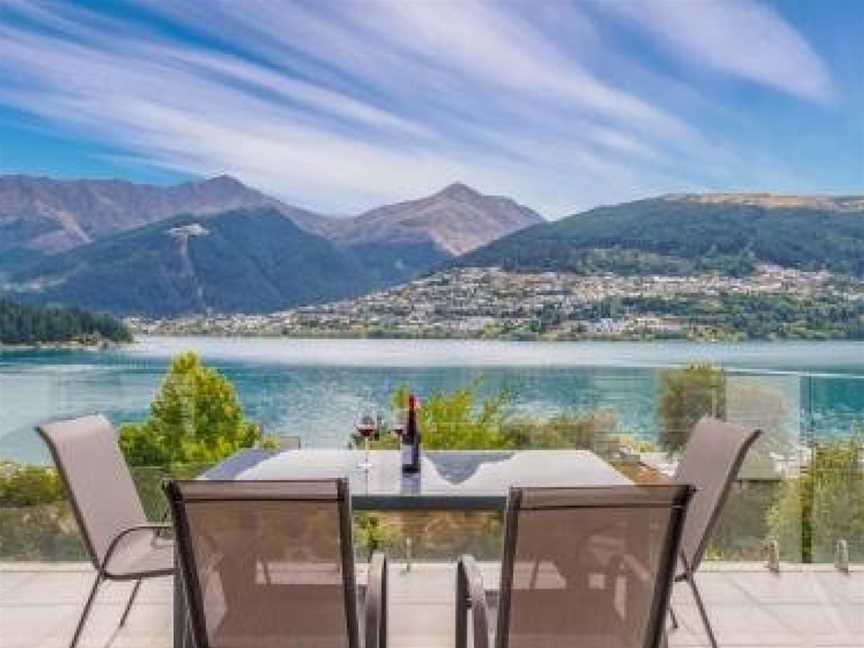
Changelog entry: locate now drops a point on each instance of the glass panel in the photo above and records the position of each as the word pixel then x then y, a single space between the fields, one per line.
pixel 428 535
pixel 800 486
pixel 37 522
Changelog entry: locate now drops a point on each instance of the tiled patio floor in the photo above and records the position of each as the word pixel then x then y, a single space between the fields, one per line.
pixel 750 607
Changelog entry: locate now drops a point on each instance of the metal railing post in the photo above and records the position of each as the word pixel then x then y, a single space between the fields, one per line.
pixel 841 556
pixel 408 545
pixel 772 549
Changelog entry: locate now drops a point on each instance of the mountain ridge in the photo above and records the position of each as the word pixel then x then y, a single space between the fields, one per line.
pixel 44 216
pixel 245 260
pixel 675 235
pixel 41 216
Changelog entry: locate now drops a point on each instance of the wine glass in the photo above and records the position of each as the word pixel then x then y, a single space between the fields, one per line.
pixel 399 420
pixel 366 425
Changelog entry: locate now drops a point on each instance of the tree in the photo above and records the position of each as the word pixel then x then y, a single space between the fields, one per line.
pixel 685 396
pixel 196 417
pixel 21 324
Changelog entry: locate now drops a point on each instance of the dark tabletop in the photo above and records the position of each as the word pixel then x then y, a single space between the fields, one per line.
pixel 448 480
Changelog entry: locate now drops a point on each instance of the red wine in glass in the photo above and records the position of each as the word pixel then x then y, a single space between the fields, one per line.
pixel 400 416
pixel 366 428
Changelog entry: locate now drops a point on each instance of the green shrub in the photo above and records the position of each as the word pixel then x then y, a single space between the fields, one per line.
pixel 195 418
pixel 685 396
pixel 591 431
pixel 23 485
pixel 824 504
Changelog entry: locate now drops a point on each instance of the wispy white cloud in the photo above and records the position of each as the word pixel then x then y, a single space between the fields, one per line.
pixel 738 37
pixel 342 106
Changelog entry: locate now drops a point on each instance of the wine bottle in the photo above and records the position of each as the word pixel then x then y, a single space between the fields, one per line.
pixel 410 444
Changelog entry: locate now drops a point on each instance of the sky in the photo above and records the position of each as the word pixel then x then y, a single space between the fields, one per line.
pixel 340 105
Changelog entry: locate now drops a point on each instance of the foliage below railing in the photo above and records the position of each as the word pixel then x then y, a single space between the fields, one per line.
pixel 36 520
pixel 824 504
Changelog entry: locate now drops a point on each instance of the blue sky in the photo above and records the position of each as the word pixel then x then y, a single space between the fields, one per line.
pixel 340 106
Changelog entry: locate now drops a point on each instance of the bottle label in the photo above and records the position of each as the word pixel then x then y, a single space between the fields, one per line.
pixel 407 454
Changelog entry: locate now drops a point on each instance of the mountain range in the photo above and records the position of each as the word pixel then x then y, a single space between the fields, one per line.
pixel 43 216
pixel 218 245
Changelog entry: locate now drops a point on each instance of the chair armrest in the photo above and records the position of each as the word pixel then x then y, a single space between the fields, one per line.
pixel 376 602
pixel 470 593
pixel 154 528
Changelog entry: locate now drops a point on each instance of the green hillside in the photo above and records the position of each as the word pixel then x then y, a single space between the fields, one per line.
pixel 39 325
pixel 676 236
pixel 238 261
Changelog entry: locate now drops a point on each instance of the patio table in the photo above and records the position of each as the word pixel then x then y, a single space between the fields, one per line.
pixel 449 480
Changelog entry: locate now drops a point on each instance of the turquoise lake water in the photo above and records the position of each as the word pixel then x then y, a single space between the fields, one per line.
pixel 314 388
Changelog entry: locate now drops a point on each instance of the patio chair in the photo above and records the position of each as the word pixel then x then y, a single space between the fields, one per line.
pixel 271 563
pixel 587 567
pixel 121 543
pixel 711 461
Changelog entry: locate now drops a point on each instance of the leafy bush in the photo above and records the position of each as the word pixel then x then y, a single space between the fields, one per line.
pixel 195 418
pixel 824 504
pixel 43 532
pixel 456 421
pixel 592 431
pixel 35 521
pixel 685 396
pixel 460 421
pixel 23 485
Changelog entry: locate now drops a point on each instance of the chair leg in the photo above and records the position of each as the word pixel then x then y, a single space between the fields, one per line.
pixel 384 607
pixel 674 618
pixel 461 639
pixel 130 602
pixel 86 611
pixel 702 612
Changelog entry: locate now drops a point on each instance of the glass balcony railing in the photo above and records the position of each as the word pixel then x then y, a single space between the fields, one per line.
pixel 799 496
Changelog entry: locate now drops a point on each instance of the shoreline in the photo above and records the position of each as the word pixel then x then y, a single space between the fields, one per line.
pixel 65 346
pixel 335 335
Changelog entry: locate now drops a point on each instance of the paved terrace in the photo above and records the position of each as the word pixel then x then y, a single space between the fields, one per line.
pixel 750 606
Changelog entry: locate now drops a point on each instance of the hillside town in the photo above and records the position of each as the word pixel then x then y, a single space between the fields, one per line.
pixel 492 303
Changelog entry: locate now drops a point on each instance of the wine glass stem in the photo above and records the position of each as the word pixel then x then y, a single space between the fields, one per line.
pixel 366 443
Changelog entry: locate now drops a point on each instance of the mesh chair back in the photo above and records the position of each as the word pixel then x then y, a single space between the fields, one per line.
pixel 97 479
pixel 267 563
pixel 711 461
pixel 589 567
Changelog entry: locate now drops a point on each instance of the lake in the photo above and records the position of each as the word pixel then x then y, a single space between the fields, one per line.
pixel 314 388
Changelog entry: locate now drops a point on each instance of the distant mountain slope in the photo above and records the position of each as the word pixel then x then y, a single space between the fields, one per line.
pixel 689 232
pixel 398 240
pixel 237 261
pixel 41 217
pixel 457 220
pixel 102 244
pixel 44 216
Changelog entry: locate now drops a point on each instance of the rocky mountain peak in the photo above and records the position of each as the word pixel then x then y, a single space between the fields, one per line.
pixel 459 191
pixel 224 181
